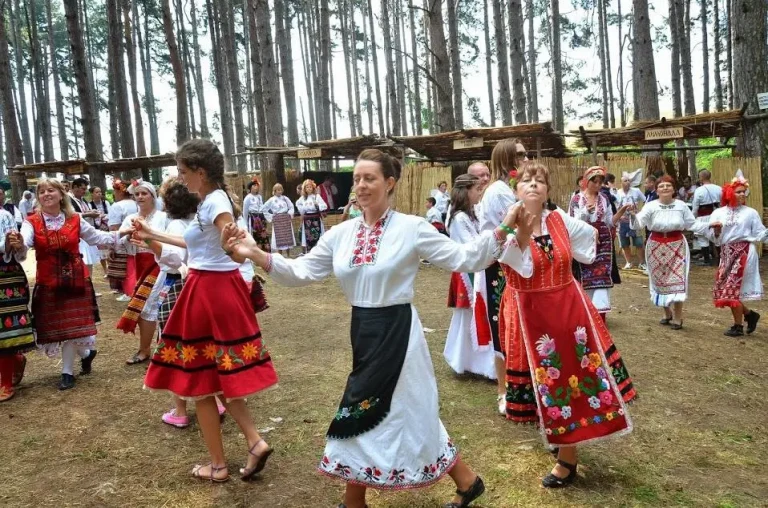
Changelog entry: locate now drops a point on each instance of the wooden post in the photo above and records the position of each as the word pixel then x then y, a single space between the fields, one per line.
pixel 594 151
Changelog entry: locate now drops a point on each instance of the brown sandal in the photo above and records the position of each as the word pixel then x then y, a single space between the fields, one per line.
pixel 261 461
pixel 214 470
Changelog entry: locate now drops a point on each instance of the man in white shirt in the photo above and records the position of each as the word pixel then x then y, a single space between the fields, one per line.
pixel 632 197
pixel 706 198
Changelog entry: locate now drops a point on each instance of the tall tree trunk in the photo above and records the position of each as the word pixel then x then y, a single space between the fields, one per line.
pixel 704 55
pixel 114 127
pixel 620 87
pixel 455 56
pixel 505 102
pixel 674 27
pixel 489 63
pixel 218 34
pixel 227 15
pixel 186 62
pixel 253 136
pixel 39 67
pixel 271 85
pixel 389 64
pixel 130 44
pixel 345 43
pixel 718 54
pixel 355 69
pixel 61 121
pixel 14 152
pixel 750 70
pixel 729 50
pixel 517 59
pixel 642 61
pixel 88 114
pixel 609 68
pixel 149 93
pixel 127 147
pixel 182 123
pixel 533 69
pixel 601 36
pixel 258 97
pixel 399 71
pixel 18 53
pixel 416 77
pixel 377 86
pixel 283 39
pixel 368 87
pixel 199 90
pixel 442 73
pixel 326 106
pixel 684 26
pixel 306 56
pixel 557 69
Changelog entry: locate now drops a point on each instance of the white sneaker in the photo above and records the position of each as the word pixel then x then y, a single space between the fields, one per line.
pixel 628 266
pixel 123 298
pixel 501 400
pixel 643 267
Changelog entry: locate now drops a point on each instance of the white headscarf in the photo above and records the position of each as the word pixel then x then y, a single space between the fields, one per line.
pixel 635 177
pixel 136 184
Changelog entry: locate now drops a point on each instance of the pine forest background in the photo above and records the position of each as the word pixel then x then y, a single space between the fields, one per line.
pixel 114 79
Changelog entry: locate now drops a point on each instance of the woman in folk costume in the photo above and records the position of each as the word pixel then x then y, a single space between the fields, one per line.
pixel 279 211
pixel 117 264
pixel 736 228
pixel 63 300
pixel 252 210
pixel 16 336
pixel 211 345
pixel 100 222
pixel 498 197
pixel 311 207
pixel 468 347
pixel 376 259
pixel 564 371
pixel 143 306
pixel 591 206
pixel 666 254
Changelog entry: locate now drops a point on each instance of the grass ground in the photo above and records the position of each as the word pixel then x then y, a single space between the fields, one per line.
pixel 699 440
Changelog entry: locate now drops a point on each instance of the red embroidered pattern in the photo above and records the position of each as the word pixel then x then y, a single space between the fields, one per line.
pixel 367 241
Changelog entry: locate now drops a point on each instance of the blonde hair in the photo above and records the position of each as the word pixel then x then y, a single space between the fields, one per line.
pixel 277 186
pixel 65 203
pixel 311 184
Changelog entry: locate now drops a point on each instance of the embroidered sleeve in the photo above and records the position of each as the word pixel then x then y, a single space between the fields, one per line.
pixel 93 236
pixel 519 260
pixel 583 240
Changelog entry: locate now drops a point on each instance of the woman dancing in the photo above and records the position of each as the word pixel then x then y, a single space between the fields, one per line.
pixel 117 264
pixel 736 228
pixel 468 347
pixel 666 253
pixel 17 336
pixel 63 302
pixel 376 258
pixel 311 206
pixel 142 308
pixel 211 344
pixel 279 211
pixel 563 371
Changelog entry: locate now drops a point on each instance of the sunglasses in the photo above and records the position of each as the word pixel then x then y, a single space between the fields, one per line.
pixel 521 155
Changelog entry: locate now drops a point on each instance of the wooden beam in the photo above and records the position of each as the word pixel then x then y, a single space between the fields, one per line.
pixel 661 149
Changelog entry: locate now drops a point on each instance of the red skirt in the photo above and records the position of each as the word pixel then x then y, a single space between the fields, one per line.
pixel 211 344
pixel 730 274
pixel 459 292
pixel 60 316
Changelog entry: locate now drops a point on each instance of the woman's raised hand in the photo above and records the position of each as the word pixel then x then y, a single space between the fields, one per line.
pixel 524 222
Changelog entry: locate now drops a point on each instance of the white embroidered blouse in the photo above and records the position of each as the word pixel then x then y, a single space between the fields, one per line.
pixel 157 221
pixel 252 203
pixel 276 205
pixel 377 265
pixel 311 204
pixel 7 225
pixel 497 199
pixel 664 218
pixel 740 224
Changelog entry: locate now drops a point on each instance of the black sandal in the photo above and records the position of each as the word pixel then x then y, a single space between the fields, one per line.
pixel 666 321
pixel 467 496
pixel 555 482
pixel 136 359
pixel 676 326
pixel 249 473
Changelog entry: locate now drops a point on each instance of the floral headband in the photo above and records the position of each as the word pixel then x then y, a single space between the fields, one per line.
pixel 119 185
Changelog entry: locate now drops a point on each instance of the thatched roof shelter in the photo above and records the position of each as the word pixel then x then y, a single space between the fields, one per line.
pixel 724 124
pixel 478 143
pixel 81 167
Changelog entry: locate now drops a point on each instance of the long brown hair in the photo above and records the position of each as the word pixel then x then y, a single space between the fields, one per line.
pixel 203 154
pixel 460 196
pixel 504 158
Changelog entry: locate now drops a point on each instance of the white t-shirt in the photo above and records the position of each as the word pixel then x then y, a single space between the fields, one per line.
pixel 246 269
pixel 203 238
pixel 633 197
pixel 120 210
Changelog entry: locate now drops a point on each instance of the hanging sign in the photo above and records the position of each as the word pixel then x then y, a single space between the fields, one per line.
pixel 665 133
pixel 461 144
pixel 310 153
pixel 762 100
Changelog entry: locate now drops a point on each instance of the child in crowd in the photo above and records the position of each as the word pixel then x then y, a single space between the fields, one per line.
pixel 434 216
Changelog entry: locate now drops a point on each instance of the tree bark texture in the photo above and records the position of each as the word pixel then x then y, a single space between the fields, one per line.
pixel 557 69
pixel 517 59
pixel 704 55
pixel 489 63
pixel 127 147
pixel 500 34
pixel 130 45
pixel 283 39
pixel 389 64
pixel 416 72
pixel 533 98
pixel 455 56
pixel 374 54
pixel 61 121
pixel 645 72
pixel 718 55
pixel 23 123
pixel 42 100
pixel 442 69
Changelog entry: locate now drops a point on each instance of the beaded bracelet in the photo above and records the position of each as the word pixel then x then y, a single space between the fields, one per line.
pixel 508 229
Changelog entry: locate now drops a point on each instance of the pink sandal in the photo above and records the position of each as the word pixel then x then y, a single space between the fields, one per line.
pixel 172 419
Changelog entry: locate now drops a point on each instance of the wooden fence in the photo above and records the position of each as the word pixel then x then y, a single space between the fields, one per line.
pixel 416 182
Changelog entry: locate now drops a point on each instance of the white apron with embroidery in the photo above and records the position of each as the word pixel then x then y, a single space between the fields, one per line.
pixel 376 267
